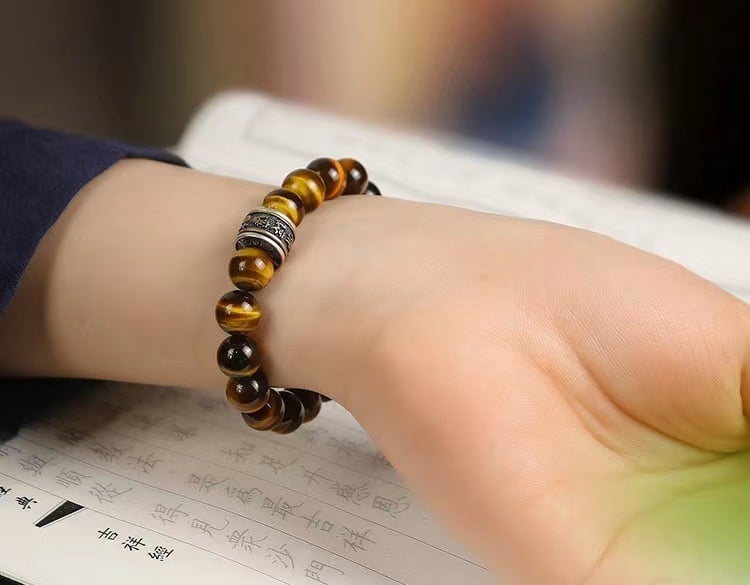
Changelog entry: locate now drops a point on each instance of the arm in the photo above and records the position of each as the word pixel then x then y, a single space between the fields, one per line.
pixel 549 392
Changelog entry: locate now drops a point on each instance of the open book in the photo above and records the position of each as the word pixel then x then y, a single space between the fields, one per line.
pixel 114 488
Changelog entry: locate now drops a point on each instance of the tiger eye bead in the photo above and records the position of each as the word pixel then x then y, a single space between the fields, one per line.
pixel 250 269
pixel 248 394
pixel 238 312
pixel 333 175
pixel 308 185
pixel 372 189
pixel 238 356
pixel 286 202
pixel 312 401
pixel 294 413
pixel 268 416
pixel 356 176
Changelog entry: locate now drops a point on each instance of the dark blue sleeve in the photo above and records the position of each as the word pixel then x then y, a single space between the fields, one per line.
pixel 40 172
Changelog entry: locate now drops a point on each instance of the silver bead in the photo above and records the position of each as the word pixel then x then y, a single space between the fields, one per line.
pixel 263 241
pixel 273 222
pixel 267 229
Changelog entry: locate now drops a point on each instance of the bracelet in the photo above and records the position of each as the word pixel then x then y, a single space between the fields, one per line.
pixel 263 242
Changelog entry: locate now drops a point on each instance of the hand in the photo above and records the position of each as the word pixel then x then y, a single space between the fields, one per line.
pixel 572 407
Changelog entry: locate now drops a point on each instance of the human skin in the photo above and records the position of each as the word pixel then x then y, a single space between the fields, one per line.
pixel 573 408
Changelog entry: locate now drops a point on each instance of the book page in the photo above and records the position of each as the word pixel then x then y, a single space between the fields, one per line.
pixel 253 137
pixel 117 488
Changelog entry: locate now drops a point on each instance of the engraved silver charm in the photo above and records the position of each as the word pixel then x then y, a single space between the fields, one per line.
pixel 272 222
pixel 268 244
pixel 269 230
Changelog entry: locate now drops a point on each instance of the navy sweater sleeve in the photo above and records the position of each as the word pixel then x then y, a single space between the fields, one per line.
pixel 40 172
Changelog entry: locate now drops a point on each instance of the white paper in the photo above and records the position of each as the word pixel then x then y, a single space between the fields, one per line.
pixel 178 469
pixel 259 139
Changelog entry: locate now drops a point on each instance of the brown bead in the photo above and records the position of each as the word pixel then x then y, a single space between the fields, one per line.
pixel 333 175
pixel 250 269
pixel 308 185
pixel 312 402
pixel 248 394
pixel 287 202
pixel 238 356
pixel 373 189
pixel 294 413
pixel 356 176
pixel 268 416
pixel 238 312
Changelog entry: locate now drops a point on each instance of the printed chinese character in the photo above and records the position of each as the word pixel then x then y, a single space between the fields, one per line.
pixel 4 491
pixel 279 507
pixel 280 556
pixel 206 528
pixel 241 453
pixel 313 522
pixel 379 459
pixel 243 495
pixel 244 540
pixel 107 533
pixel 25 502
pixel 314 475
pixel 106 493
pixel 72 437
pixel 204 482
pixel 344 446
pixel 275 463
pixel 354 539
pixel 168 515
pixel 34 464
pixel 391 507
pixel 161 553
pixel 8 450
pixel 144 464
pixel 70 477
pixel 350 493
pixel 108 453
pixel 180 433
pixel 132 543
pixel 315 570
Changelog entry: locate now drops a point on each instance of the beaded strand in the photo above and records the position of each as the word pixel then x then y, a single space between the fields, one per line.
pixel 263 242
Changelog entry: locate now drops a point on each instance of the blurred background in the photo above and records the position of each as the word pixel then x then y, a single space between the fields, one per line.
pixel 647 93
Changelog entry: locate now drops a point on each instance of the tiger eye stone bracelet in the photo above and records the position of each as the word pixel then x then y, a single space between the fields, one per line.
pixel 263 242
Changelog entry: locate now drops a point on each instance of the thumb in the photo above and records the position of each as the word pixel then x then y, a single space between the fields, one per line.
pixel 667 347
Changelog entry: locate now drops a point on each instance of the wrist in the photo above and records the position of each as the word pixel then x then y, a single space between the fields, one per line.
pixel 119 286
pixel 124 285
